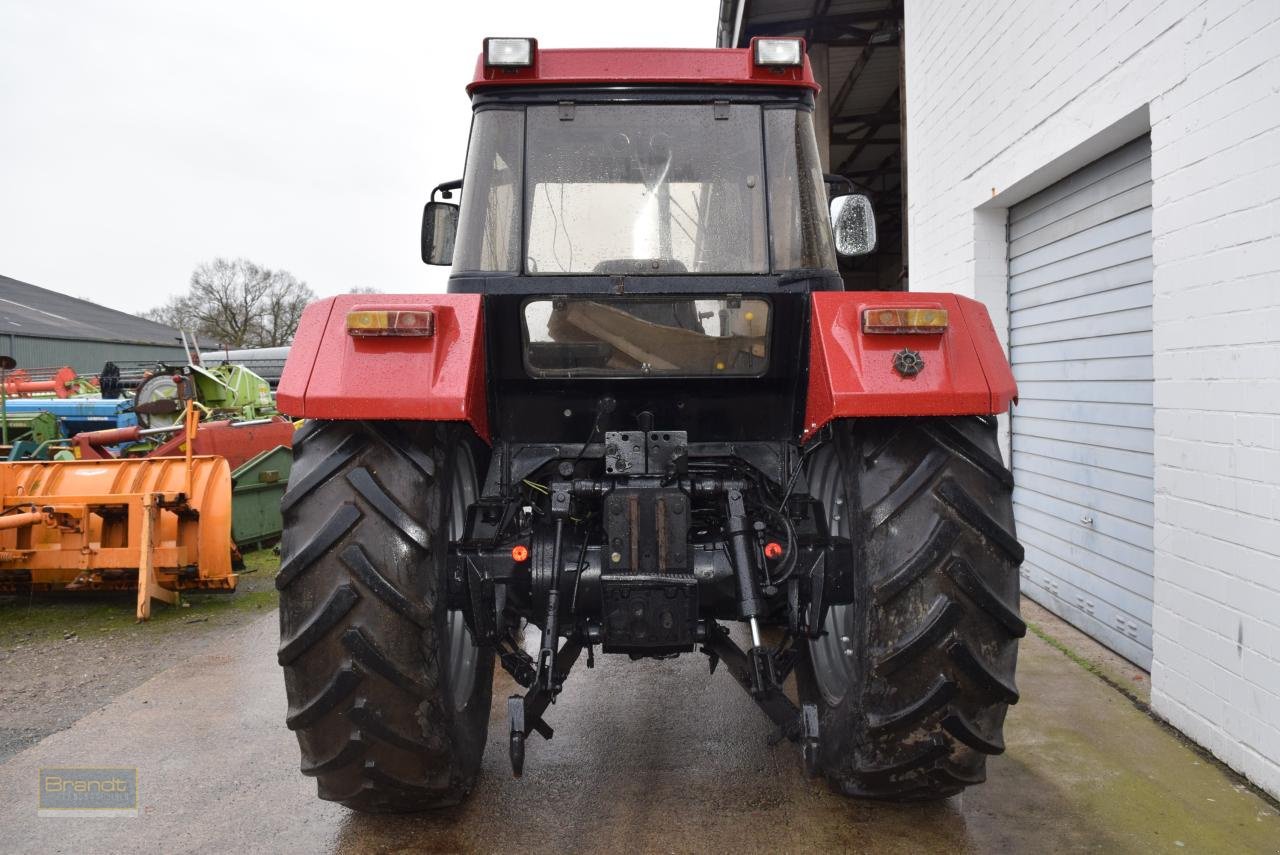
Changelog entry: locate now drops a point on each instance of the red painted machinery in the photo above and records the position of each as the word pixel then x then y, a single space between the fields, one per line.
pixel 59 382
pixel 236 442
pixel 647 409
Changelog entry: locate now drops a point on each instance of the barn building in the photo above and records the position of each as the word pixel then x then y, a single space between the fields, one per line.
pixel 40 328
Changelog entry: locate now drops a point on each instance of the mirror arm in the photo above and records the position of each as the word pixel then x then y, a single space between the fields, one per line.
pixel 446 189
pixel 833 180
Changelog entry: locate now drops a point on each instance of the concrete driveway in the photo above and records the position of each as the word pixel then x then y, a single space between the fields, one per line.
pixel 648 757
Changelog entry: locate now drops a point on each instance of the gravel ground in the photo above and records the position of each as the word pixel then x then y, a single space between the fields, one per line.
pixel 650 756
pixel 61 657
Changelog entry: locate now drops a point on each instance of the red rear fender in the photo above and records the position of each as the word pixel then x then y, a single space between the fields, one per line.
pixel 852 373
pixel 331 374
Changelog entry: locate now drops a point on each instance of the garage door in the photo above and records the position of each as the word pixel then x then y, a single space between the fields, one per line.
pixel 1080 344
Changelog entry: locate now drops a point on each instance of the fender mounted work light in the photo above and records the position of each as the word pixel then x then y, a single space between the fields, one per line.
pixel 895 320
pixel 509 53
pixel 402 322
pixel 781 52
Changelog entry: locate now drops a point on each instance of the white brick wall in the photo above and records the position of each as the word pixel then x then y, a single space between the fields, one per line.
pixel 1007 96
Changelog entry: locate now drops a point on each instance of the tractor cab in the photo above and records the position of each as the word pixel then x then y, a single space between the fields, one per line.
pixel 636 217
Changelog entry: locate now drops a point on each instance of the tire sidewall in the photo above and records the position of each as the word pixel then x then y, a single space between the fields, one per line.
pixel 470 724
pixel 931 634
pixel 841 721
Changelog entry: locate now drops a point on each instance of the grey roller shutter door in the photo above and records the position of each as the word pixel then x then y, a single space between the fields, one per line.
pixel 1082 432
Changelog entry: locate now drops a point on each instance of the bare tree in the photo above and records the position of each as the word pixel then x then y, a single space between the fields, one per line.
pixel 178 313
pixel 238 304
pixel 285 297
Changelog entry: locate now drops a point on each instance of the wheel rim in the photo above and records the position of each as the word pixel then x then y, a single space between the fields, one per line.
pixel 461 653
pixel 832 655
pixel 159 388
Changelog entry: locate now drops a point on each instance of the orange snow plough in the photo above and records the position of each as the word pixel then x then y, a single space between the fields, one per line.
pixel 161 525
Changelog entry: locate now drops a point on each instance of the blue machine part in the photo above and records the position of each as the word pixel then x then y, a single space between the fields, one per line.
pixel 77 415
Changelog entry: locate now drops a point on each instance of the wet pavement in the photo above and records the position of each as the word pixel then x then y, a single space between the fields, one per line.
pixel 648 757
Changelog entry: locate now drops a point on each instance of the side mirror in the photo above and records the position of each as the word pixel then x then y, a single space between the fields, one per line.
pixel 439 228
pixel 854 224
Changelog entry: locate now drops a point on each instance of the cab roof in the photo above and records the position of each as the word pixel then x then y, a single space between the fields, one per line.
pixel 643 66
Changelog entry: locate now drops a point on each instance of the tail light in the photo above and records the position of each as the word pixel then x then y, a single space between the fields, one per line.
pixel 391 322
pixel 897 320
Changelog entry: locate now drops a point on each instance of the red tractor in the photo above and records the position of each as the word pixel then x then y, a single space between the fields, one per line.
pixel 645 410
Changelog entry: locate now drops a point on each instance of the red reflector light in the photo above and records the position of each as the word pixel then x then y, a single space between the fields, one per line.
pixel 520 553
pixel 896 320
pixel 773 550
pixel 374 322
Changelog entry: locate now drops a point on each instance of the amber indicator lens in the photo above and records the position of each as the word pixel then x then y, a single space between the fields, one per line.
pixel 391 322
pixel 896 320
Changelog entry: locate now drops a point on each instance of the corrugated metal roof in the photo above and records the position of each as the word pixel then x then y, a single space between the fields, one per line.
pixel 861 86
pixel 876 83
pixel 28 310
pixel 768 11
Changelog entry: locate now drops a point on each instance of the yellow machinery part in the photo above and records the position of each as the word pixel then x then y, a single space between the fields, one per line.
pixel 159 524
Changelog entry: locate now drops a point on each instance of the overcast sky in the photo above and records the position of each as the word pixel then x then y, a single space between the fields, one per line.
pixel 139 138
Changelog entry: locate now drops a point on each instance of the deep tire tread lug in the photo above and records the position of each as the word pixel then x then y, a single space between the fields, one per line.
pixel 357 562
pixel 937 545
pixel 981 521
pixel 381 501
pixel 967 732
pixel 971 664
pixel 949 436
pixel 311 428
pixel 409 454
pixel 372 724
pixel 924 759
pixel 908 488
pixel 401 787
pixel 330 531
pixel 376 661
pixel 935 698
pixel 349 753
pixel 300 488
pixel 968 581
pixel 344 682
pixel 325 618
pixel 942 616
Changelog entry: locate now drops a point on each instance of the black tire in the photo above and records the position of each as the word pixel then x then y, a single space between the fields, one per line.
pixel 390 713
pixel 913 679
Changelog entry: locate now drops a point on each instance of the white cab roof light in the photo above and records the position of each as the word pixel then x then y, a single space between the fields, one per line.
pixel 778 52
pixel 509 53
